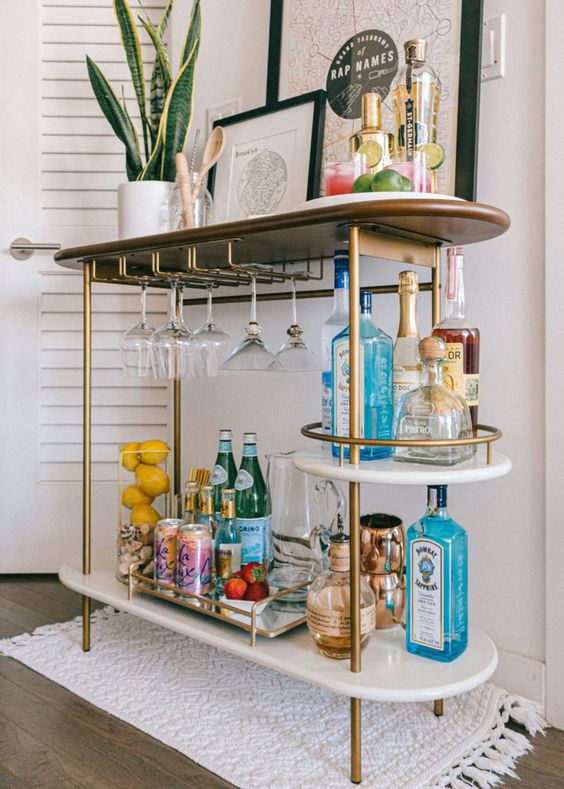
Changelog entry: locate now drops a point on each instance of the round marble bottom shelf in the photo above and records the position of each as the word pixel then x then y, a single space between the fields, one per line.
pixel 320 463
pixel 389 673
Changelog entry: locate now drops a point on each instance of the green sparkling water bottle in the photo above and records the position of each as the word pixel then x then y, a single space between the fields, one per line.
pixel 224 471
pixel 252 506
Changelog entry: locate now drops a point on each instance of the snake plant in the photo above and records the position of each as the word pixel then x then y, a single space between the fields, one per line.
pixel 167 111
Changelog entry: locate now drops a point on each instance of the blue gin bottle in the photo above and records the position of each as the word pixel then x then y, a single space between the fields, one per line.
pixel 437 582
pixel 377 390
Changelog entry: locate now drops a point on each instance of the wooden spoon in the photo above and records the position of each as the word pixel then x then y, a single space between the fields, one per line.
pixel 183 175
pixel 213 150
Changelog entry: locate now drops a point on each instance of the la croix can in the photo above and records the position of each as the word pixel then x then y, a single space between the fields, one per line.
pixel 166 540
pixel 193 573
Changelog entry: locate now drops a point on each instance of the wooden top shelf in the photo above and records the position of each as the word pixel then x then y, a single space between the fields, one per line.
pixel 308 234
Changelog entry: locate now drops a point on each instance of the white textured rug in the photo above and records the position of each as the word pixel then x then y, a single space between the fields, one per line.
pixel 255 728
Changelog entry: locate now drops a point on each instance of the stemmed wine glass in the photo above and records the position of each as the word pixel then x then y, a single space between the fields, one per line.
pixel 294 356
pixel 135 346
pixel 170 344
pixel 210 345
pixel 251 353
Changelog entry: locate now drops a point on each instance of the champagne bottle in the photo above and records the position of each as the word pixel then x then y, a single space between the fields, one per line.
pixel 252 506
pixel 224 471
pixel 407 369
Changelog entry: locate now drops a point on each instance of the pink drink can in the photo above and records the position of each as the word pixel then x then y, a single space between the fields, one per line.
pixel 193 573
pixel 166 538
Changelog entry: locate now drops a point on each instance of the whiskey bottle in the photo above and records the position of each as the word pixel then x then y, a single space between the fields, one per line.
pixel 416 93
pixel 407 369
pixel 371 139
pixel 461 371
pixel 437 582
pixel 328 603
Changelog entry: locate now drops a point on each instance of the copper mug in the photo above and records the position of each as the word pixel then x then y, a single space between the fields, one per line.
pixel 382 544
pixel 389 591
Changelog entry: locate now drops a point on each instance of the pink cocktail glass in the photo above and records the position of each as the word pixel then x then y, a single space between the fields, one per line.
pixel 340 176
pixel 414 167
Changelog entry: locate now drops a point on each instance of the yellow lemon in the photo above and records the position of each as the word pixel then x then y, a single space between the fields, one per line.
pixel 133 495
pixel 128 455
pixel 152 480
pixel 144 514
pixel 153 452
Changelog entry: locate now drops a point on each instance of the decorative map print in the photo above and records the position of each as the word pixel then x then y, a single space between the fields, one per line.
pixel 315 30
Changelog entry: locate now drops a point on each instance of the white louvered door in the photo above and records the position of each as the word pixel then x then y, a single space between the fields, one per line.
pixel 59 168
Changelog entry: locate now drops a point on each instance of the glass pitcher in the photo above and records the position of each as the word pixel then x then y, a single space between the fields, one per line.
pixel 304 512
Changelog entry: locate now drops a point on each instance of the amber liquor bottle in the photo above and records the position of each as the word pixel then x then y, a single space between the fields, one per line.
pixel 461 372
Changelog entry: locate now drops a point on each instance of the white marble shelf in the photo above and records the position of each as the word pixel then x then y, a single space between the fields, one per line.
pixel 320 463
pixel 389 673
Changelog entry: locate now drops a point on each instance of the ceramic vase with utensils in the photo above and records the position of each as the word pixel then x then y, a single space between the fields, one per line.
pixel 382 551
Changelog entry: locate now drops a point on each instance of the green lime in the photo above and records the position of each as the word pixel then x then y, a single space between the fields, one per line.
pixel 387 181
pixel 406 185
pixel 373 152
pixel 435 154
pixel 362 183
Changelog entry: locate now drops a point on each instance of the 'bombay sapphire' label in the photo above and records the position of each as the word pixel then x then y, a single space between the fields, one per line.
pixel 426 610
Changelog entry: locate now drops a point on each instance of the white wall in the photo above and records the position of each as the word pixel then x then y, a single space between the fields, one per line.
pixel 504 297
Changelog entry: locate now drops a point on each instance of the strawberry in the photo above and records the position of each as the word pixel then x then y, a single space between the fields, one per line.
pixel 253 571
pixel 235 589
pixel 258 590
pixel 238 574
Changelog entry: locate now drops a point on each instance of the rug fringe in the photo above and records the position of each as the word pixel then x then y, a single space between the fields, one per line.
pixel 497 754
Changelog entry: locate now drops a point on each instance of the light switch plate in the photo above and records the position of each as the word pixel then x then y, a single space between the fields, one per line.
pixel 232 107
pixel 493 48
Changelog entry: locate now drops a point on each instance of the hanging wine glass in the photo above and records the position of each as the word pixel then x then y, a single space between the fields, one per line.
pixel 210 345
pixel 294 356
pixel 170 344
pixel 134 344
pixel 251 353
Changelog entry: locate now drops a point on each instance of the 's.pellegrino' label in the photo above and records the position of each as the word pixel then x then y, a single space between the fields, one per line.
pixel 218 476
pixel 244 480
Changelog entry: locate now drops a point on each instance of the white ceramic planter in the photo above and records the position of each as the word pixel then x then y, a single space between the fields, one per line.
pixel 144 208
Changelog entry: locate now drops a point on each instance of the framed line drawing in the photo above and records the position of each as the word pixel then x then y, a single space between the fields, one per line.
pixel 312 41
pixel 272 159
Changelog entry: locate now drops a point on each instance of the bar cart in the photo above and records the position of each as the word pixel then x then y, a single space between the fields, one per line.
pixel 410 232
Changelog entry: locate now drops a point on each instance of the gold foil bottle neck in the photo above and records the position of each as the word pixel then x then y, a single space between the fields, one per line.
pixel 408 282
pixel 415 50
pixel 371 111
pixel 206 499
pixel 228 503
pixel 432 349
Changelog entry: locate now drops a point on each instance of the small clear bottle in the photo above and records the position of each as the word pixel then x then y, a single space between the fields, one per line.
pixel 227 541
pixel 437 582
pixel 328 603
pixel 335 323
pixel 432 411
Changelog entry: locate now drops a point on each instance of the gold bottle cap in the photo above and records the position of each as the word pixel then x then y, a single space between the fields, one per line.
pixel 432 349
pixel 371 111
pixel 408 282
pixel 415 50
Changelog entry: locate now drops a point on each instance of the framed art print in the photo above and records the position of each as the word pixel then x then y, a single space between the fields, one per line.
pixel 272 159
pixel 351 47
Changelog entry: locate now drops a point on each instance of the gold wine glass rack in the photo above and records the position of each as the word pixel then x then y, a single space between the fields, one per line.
pixel 274 249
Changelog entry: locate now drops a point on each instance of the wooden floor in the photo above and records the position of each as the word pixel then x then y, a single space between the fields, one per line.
pixel 51 739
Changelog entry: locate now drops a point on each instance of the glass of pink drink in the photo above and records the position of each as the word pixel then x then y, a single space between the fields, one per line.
pixel 413 165
pixel 340 176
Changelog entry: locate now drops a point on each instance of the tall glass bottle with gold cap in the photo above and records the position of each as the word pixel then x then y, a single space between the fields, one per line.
pixel 206 515
pixel 191 502
pixel 371 139
pixel 416 93
pixel 407 368
pixel 227 541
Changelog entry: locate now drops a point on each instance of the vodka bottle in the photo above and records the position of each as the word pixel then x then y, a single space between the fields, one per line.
pixel 337 321
pixel 252 506
pixel 437 582
pixel 376 380
pixel 224 471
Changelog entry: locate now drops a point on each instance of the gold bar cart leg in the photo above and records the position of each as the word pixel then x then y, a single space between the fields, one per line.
pixel 177 411
pixel 436 287
pixel 438 707
pixel 86 448
pixel 354 492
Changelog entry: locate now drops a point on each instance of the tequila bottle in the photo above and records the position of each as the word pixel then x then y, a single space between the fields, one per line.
pixel 377 395
pixel 191 502
pixel 328 603
pixel 224 471
pixel 433 412
pixel 461 371
pixel 207 515
pixel 253 506
pixel 416 93
pixel 407 369
pixel 227 541
pixel 437 582
pixel 335 323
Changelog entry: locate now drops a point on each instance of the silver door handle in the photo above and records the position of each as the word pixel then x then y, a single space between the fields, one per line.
pixel 23 248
